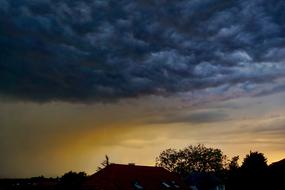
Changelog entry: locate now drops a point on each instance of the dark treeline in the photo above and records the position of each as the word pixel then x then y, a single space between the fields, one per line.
pixel 188 163
pixel 254 172
pixel 70 180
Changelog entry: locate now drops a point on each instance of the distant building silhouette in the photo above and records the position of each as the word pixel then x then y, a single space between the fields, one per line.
pixel 277 174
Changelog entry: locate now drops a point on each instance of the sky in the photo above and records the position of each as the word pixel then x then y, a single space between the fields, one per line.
pixel 81 79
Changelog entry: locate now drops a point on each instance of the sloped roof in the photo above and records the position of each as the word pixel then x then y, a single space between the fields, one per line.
pixel 131 177
pixel 279 164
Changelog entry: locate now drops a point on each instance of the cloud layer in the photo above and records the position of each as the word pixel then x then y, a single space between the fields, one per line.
pixel 106 50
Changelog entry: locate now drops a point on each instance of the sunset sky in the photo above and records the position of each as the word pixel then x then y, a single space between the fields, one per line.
pixel 81 79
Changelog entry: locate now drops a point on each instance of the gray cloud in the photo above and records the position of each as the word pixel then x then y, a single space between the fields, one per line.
pixel 106 50
pixel 207 116
pixel 274 89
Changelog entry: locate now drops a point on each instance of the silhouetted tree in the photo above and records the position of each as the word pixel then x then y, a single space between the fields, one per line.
pixel 104 163
pixel 168 159
pixel 233 165
pixel 254 161
pixel 72 180
pixel 232 177
pixel 191 159
pixel 254 174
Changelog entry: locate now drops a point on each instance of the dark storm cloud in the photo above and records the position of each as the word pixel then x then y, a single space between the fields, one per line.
pixel 105 50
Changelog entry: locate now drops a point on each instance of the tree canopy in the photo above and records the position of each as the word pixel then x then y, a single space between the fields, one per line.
pixel 233 164
pixel 192 159
pixel 255 162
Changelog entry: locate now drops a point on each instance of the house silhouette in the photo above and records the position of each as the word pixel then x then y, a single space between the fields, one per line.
pixel 132 177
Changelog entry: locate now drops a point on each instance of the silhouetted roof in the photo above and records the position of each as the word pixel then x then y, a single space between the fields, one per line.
pixel 131 177
pixel 278 168
pixel 280 164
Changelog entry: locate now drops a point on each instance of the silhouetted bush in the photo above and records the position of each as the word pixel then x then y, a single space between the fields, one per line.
pixel 72 180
